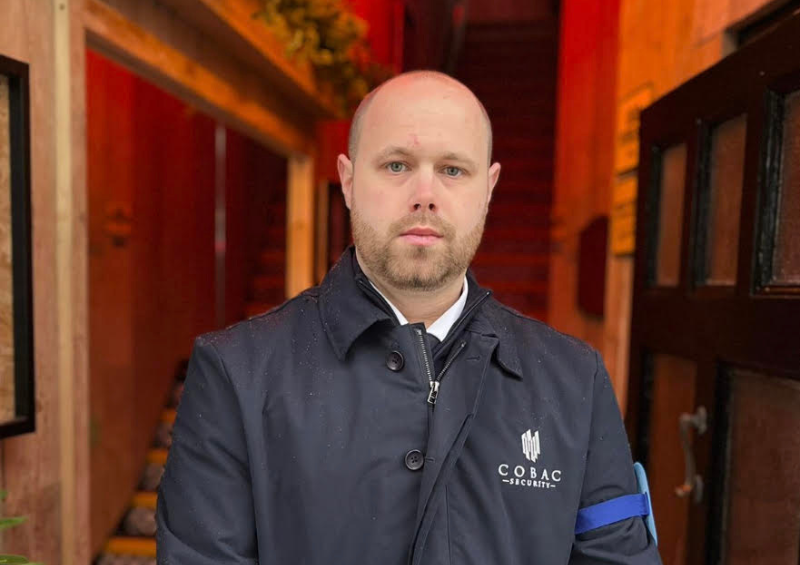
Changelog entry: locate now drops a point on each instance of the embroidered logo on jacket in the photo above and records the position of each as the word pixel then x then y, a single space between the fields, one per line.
pixel 528 475
pixel 530 445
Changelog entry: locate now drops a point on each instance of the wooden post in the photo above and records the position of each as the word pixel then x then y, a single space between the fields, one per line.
pixel 71 278
pixel 299 224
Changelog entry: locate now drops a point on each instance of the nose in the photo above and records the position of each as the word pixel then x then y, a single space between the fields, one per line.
pixel 424 197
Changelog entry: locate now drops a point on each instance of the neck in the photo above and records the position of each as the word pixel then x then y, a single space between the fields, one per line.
pixel 424 306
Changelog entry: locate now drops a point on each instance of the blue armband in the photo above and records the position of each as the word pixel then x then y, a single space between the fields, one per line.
pixel 620 508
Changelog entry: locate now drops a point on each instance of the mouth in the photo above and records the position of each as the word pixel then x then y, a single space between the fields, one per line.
pixel 421 236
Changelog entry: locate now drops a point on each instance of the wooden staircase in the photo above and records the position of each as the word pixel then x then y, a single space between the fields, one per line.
pixel 134 542
pixel 267 286
pixel 512 68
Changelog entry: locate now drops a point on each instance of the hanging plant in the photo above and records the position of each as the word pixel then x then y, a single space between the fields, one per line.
pixel 333 39
pixel 6 523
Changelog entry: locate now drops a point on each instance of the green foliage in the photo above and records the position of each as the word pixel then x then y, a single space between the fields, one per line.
pixel 10 523
pixel 333 39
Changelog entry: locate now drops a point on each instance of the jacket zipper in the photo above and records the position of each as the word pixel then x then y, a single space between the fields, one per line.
pixel 434 383
pixel 426 362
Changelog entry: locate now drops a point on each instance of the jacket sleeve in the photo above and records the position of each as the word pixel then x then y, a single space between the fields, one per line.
pixel 205 512
pixel 609 474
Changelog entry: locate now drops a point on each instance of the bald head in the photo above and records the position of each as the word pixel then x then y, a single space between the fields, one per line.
pixel 435 79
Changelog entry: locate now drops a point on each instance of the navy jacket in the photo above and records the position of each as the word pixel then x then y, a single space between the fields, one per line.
pixel 307 435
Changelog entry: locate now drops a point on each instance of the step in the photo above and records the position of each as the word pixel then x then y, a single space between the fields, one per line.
pixel 272 262
pixel 157 456
pixel 510 32
pixel 543 151
pixel 114 559
pixel 484 63
pixel 490 258
pixel 140 546
pixel 145 499
pixel 499 208
pixel 534 306
pixel 517 221
pixel 177 391
pixel 536 247
pixel 168 415
pixel 523 145
pixel 256 308
pixel 140 518
pixel 272 256
pixel 163 437
pixel 268 288
pixel 519 192
pixel 535 287
pixel 512 273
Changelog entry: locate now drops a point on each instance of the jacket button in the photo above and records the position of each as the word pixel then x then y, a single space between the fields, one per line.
pixel 395 361
pixel 415 460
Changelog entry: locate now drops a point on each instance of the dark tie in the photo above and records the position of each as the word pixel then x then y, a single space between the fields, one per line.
pixel 434 347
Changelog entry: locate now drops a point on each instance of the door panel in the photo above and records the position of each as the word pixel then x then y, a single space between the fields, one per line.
pixel 722 202
pixel 673 384
pixel 762 485
pixel 786 256
pixel 671 188
pixel 716 287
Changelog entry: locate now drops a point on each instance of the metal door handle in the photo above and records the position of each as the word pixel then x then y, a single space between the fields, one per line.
pixel 693 483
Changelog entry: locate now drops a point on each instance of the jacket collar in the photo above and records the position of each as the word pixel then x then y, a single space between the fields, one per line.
pixel 349 306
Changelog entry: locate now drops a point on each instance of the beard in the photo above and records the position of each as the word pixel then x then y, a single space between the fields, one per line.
pixel 411 267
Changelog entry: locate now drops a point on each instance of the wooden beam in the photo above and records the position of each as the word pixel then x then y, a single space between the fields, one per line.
pixel 110 32
pixel 231 24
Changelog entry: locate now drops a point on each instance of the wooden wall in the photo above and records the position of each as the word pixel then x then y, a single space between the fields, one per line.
pixel 657 47
pixel 240 78
pixel 151 266
pixel 46 472
pixel 584 150
pixel 152 278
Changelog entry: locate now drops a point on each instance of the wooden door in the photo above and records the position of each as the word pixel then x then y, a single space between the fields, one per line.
pixel 715 340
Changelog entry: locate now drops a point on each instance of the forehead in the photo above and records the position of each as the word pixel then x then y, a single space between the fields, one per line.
pixel 424 115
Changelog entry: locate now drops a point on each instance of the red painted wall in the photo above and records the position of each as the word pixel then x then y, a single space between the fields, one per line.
pixel 587 72
pixel 151 177
pixel 150 174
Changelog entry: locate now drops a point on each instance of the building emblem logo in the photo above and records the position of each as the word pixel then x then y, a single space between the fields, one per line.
pixel 531 446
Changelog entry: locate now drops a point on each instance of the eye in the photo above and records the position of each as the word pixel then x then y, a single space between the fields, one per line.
pixel 396 167
pixel 453 172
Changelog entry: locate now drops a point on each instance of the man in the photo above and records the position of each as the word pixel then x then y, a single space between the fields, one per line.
pixel 397 413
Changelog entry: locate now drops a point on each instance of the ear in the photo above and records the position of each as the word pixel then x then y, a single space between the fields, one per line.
pixel 345 167
pixel 494 176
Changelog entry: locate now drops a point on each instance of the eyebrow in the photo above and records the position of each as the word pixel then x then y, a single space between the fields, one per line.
pixel 391 151
pixel 396 150
pixel 461 159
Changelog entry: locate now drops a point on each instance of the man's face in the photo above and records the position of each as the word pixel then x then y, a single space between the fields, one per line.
pixel 419 189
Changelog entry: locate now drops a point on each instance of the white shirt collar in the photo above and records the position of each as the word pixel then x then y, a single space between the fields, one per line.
pixel 440 327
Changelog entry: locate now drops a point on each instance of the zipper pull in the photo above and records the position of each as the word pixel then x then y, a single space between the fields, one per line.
pixel 434 392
